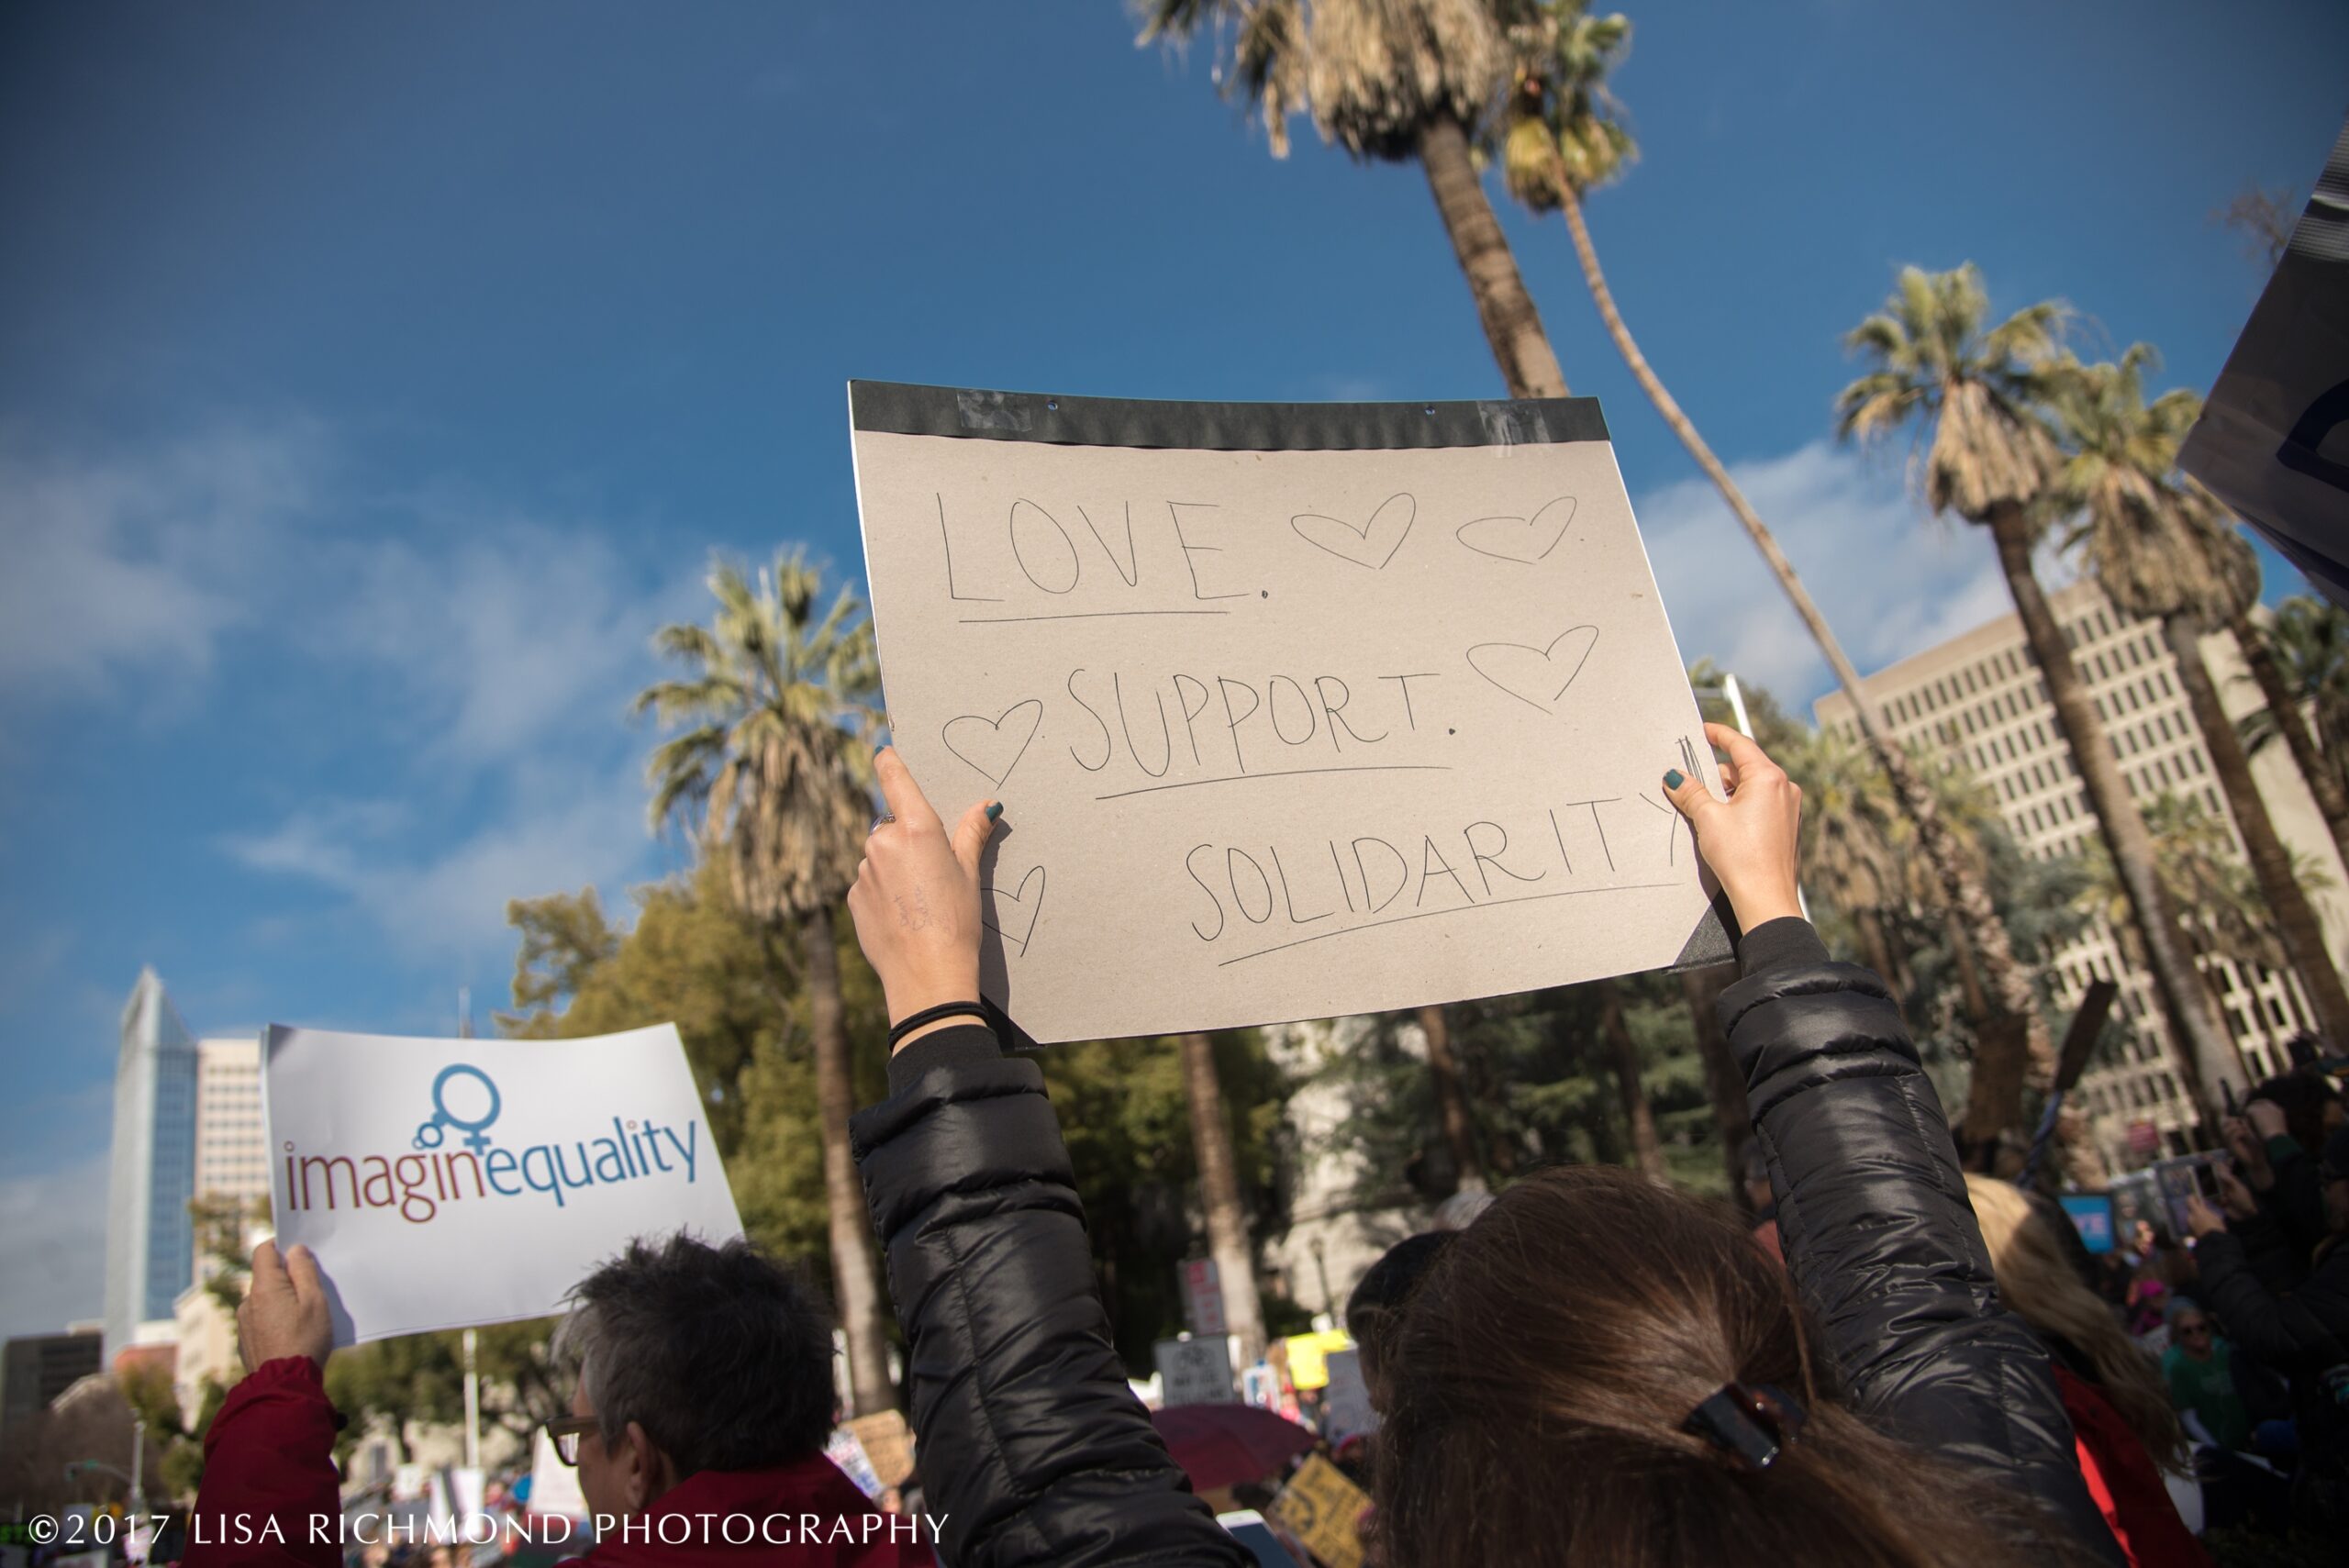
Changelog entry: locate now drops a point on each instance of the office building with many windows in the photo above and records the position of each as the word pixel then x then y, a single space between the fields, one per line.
pixel 231 1144
pixel 1979 701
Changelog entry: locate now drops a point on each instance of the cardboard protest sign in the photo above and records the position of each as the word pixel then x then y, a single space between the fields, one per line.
pixel 1324 1509
pixel 2273 440
pixel 1345 1399
pixel 1295 710
pixel 1202 1296
pixel 446 1184
pixel 888 1442
pixel 1195 1372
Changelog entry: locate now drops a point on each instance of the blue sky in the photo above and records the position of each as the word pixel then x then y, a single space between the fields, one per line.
pixel 374 381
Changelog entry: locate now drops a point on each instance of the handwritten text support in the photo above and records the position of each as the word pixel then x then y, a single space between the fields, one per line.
pixel 1283 733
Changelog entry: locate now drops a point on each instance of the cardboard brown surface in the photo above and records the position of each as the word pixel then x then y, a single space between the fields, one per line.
pixel 1280 733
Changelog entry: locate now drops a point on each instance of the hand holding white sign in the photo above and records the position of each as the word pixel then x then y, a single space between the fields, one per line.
pixel 286 1312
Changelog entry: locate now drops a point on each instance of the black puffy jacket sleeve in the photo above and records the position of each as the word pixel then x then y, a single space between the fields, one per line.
pixel 1031 1446
pixel 1878 1230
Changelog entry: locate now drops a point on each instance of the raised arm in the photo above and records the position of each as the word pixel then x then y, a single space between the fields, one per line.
pixel 271 1496
pixel 1872 1209
pixel 1032 1447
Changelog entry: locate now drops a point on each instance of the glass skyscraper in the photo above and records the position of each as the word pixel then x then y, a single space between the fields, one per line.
pixel 151 1241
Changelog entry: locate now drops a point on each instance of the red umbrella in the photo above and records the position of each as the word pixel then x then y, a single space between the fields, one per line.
pixel 1223 1445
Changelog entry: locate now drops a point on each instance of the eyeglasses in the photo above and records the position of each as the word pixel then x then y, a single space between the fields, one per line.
pixel 565 1435
pixel 2194 1327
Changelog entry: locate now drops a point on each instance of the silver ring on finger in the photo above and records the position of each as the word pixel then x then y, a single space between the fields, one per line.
pixel 878 823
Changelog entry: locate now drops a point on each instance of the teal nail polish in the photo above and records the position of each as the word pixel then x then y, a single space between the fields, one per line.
pixel 995 811
pixel 1672 779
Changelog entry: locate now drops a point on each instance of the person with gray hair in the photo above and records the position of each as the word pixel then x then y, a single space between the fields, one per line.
pixel 690 1358
pixel 702 1401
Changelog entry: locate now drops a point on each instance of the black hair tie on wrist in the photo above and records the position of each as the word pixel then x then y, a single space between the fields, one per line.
pixel 913 1021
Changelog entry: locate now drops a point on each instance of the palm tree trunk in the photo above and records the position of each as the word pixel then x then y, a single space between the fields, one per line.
pixel 1873 943
pixel 2206 1051
pixel 1512 326
pixel 2323 779
pixel 2287 902
pixel 1733 1113
pixel 1226 1216
pixel 1647 1149
pixel 1978 1010
pixel 1451 1104
pixel 855 1259
pixel 2003 975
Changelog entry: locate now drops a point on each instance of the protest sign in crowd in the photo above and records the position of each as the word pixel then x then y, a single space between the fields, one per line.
pixel 1903 1363
pixel 1206 717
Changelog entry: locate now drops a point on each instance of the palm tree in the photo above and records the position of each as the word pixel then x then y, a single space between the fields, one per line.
pixel 2162 551
pixel 1227 1215
pixel 773 777
pixel 1939 366
pixel 1849 857
pixel 2301 660
pixel 1451 1099
pixel 1563 136
pixel 1391 81
pixel 1638 1117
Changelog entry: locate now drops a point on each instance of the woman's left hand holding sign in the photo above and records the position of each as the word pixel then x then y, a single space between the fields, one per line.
pixel 285 1313
pixel 915 901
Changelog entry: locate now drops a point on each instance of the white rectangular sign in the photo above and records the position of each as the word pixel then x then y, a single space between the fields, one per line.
pixel 1295 710
pixel 1195 1371
pixel 1345 1399
pixel 446 1184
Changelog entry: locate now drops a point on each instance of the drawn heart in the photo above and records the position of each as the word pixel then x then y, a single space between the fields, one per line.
pixel 987 742
pixel 1526 540
pixel 1373 544
pixel 1537 677
pixel 1012 904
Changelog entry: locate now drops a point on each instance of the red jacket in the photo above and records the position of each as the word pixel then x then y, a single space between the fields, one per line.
pixel 2125 1483
pixel 271 1496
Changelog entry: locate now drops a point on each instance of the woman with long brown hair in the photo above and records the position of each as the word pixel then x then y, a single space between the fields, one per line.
pixel 1551 1394
pixel 1594 1371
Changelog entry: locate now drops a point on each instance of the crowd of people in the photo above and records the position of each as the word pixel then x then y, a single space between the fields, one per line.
pixel 1913 1366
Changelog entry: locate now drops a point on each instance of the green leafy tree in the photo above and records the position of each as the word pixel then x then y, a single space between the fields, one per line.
pixel 1976 395
pixel 772 772
pixel 2299 659
pixel 2162 550
pixel 1394 82
pixel 1549 1087
pixel 694 958
pixel 420 1379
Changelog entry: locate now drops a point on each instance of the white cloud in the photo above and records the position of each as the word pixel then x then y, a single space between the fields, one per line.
pixel 508 652
pixel 440 898
pixel 132 569
pixel 1890 579
pixel 514 635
